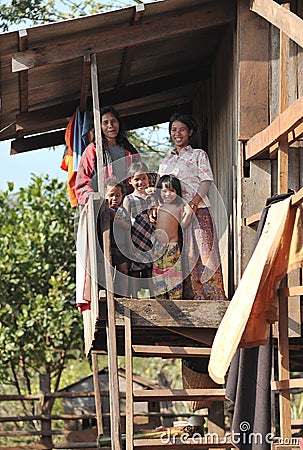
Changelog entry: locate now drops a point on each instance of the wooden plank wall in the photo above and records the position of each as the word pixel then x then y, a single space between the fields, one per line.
pixel 215 105
pixel 295 168
pixel 253 88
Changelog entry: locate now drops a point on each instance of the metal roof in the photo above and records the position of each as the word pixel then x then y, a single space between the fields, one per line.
pixel 149 62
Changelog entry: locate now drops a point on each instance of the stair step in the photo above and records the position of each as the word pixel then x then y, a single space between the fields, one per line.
pixel 167 351
pixel 145 395
pixel 183 443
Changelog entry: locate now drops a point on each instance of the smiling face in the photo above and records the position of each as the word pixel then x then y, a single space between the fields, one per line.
pixel 114 196
pixel 110 127
pixel 168 194
pixel 139 181
pixel 180 134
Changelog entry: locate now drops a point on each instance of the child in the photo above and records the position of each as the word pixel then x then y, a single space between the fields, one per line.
pixel 137 204
pixel 172 213
pixel 119 232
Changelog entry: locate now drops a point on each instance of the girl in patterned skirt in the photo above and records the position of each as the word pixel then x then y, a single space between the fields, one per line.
pixel 171 215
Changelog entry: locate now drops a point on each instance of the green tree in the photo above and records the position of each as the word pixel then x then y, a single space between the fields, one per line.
pixel 40 326
pixel 37 12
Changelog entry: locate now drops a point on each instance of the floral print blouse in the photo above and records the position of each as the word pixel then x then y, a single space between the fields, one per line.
pixel 191 166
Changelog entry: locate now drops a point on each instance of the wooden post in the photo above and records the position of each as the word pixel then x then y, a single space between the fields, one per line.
pixel 46 424
pixel 129 381
pixel 97 391
pixel 283 342
pixel 97 123
pixel 116 439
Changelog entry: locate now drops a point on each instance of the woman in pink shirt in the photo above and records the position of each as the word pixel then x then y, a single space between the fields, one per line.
pixel 118 154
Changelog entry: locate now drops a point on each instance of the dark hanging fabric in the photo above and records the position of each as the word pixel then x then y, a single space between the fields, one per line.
pixel 248 383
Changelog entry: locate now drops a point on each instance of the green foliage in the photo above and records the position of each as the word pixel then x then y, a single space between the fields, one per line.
pixel 152 143
pixel 40 326
pixel 38 12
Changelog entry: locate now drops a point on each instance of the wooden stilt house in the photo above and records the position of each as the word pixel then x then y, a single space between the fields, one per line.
pixel 237 67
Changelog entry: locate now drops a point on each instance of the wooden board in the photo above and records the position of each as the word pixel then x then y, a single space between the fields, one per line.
pixel 230 331
pixel 253 36
pixel 168 313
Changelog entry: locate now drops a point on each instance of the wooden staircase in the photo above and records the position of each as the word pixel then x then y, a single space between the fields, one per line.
pixel 164 351
pixel 138 321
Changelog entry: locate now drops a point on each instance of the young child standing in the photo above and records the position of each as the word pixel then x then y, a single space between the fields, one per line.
pixel 119 234
pixel 171 215
pixel 138 204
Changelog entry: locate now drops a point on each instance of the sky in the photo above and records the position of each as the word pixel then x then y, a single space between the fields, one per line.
pixel 18 168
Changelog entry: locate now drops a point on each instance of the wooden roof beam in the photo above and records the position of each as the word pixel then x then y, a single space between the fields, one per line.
pixel 23 80
pixel 206 16
pixel 23 76
pixel 285 20
pixel 128 53
pixel 54 113
pixel 45 140
pixel 285 124
pixel 85 82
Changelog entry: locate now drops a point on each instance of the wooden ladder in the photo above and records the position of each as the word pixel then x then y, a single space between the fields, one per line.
pixel 157 395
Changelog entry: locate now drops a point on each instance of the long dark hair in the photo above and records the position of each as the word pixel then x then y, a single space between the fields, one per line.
pixel 122 135
pixel 189 122
pixel 170 182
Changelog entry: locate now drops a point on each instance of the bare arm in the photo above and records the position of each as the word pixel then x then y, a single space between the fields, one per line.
pixel 126 204
pixel 186 216
pixel 200 194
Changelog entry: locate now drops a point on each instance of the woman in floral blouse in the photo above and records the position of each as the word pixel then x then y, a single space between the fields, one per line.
pixel 202 271
pixel 192 167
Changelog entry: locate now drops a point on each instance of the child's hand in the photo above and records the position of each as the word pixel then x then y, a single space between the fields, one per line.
pixel 120 218
pixel 152 214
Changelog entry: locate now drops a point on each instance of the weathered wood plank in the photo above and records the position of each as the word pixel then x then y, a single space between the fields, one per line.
pixel 168 313
pixel 166 351
pixel 36 142
pixel 287 121
pixel 204 17
pixel 253 60
pixel 182 444
pixel 129 382
pixel 178 394
pixel 293 383
pixel 281 18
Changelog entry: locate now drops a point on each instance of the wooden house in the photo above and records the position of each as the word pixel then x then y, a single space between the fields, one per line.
pixel 237 66
pixel 86 405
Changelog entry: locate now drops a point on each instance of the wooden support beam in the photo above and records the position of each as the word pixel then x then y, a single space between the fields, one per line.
pixel 115 420
pixel 165 351
pixel 281 18
pixel 204 17
pixel 171 440
pixel 129 410
pixel 283 337
pixel 23 76
pixel 85 82
pixel 287 121
pixel 129 52
pixel 175 395
pixel 293 383
pixel 97 392
pixel 168 313
pixel 32 121
pixel 46 140
pixel 290 291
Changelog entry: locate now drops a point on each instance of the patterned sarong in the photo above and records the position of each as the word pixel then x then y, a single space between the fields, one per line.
pixel 167 271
